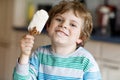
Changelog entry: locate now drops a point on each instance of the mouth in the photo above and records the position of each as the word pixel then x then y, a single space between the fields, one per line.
pixel 63 33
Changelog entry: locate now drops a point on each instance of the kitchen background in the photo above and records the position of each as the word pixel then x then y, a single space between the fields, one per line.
pixel 104 44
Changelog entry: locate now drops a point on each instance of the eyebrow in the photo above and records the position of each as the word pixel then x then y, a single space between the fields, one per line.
pixel 58 15
pixel 75 21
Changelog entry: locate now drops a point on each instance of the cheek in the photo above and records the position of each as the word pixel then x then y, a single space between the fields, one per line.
pixel 51 29
pixel 77 33
pixel 52 25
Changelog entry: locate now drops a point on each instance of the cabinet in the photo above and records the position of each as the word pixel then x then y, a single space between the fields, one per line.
pixel 110 71
pixel 107 56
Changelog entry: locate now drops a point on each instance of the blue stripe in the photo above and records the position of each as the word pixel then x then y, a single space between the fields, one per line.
pixel 43 76
pixel 92 76
pixel 34 62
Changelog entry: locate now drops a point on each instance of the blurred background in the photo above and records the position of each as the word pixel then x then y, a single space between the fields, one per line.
pixel 104 44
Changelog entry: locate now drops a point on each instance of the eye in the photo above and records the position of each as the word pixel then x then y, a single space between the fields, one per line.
pixel 73 25
pixel 59 19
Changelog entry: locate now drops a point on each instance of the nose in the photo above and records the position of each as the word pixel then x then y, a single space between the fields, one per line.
pixel 64 24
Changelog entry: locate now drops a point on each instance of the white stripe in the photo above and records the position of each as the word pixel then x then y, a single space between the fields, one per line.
pixel 68 72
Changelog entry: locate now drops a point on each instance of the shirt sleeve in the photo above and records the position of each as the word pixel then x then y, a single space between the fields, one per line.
pixel 21 72
pixel 93 72
pixel 27 71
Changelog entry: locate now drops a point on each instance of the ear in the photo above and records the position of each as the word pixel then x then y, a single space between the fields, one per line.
pixel 79 41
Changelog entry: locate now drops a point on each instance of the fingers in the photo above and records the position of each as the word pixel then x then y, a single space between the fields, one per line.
pixel 27 44
pixel 27 40
pixel 28 37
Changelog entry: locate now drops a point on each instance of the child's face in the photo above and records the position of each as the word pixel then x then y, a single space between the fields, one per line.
pixel 65 29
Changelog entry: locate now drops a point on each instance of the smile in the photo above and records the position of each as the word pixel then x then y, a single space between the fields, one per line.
pixel 60 32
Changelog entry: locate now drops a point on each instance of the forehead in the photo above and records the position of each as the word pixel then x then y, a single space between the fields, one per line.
pixel 66 12
pixel 77 13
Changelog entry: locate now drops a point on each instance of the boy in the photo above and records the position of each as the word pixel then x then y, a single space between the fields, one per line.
pixel 69 26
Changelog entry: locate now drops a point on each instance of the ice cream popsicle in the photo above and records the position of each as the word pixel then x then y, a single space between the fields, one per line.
pixel 38 22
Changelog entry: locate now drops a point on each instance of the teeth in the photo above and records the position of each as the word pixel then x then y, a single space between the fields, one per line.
pixel 39 20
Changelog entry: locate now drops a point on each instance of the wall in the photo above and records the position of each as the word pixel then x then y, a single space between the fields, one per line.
pixel 6 9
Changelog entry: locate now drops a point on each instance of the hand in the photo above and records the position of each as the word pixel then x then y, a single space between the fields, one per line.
pixel 26 44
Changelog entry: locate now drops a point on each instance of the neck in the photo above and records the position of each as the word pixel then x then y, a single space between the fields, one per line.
pixel 63 50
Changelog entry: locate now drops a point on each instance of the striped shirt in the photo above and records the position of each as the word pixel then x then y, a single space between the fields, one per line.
pixel 47 65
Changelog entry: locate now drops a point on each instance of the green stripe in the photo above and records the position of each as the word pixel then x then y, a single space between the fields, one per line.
pixel 32 72
pixel 17 76
pixel 81 62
